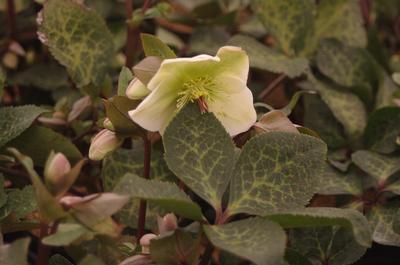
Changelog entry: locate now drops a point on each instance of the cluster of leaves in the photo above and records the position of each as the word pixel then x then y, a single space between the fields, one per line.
pixel 316 193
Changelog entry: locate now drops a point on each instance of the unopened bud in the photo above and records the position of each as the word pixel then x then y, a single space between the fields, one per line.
pixel 145 242
pixel 10 60
pixel 108 124
pixel 136 90
pixel 56 168
pixel 168 223
pixel 103 143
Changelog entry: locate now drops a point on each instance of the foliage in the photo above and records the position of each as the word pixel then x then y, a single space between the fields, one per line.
pixel 162 99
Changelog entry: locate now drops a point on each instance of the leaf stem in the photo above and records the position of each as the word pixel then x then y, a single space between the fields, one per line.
pixel 131 33
pixel 146 175
pixel 206 258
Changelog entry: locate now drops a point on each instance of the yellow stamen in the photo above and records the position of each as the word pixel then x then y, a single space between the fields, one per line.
pixel 200 87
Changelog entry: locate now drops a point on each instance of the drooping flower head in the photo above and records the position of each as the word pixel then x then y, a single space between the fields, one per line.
pixel 217 83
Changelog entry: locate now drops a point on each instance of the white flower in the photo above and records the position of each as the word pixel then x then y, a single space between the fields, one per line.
pixel 217 83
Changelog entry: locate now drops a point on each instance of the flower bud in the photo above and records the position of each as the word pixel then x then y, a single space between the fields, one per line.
pixel 108 124
pixel 56 168
pixel 103 143
pixel 145 242
pixel 136 90
pixel 168 223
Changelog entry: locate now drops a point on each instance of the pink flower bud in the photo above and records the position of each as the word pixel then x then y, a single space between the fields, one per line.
pixel 103 143
pixel 56 168
pixel 145 242
pixel 168 223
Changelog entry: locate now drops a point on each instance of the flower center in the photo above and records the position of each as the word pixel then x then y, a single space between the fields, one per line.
pixel 198 88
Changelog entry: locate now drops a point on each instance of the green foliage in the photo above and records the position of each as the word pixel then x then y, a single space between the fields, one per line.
pixel 277 62
pixel 255 239
pixel 166 195
pixel 15 253
pixel 200 153
pixel 153 46
pixel 268 170
pixel 76 34
pixel 15 120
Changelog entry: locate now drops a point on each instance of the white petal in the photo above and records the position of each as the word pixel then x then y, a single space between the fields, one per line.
pixel 136 89
pixel 235 111
pixel 157 109
pixel 234 61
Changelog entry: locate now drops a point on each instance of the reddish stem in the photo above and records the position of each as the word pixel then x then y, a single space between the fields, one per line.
pixel 43 250
pixel 130 35
pixel 11 18
pixel 146 175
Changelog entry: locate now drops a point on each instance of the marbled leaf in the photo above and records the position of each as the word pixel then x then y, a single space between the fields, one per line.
pixel 200 152
pixel 78 38
pixel 269 169
pixel 265 58
pixel 381 167
pixel 164 194
pixel 381 219
pixel 15 120
pixel 255 239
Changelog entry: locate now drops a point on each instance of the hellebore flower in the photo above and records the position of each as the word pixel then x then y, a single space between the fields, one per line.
pixel 57 166
pixel 136 90
pixel 103 143
pixel 217 83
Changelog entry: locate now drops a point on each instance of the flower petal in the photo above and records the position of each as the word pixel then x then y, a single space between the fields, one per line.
pixel 157 109
pixel 184 69
pixel 235 111
pixel 234 61
pixel 136 89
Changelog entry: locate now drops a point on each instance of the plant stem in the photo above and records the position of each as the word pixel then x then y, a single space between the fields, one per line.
pixel 206 258
pixel 271 86
pixel 11 17
pixel 43 250
pixel 130 35
pixel 146 175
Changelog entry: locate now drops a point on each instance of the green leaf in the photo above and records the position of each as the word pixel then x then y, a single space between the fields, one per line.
pixel 153 46
pixel 22 202
pixel 200 152
pixel 117 109
pixel 265 58
pixel 123 161
pixel 15 253
pixel 125 76
pixel 318 117
pixel 175 247
pixel 334 182
pixel 386 90
pixel 381 167
pixel 269 168
pixel 207 40
pixel 30 142
pixel 66 234
pixel 48 77
pixel 348 66
pixel 295 258
pixel 91 260
pixel 15 120
pixel 341 20
pixel 324 216
pixel 381 220
pixel 382 130
pixel 78 38
pixel 166 195
pixel 290 21
pixel 57 259
pixel 327 245
pixel 255 239
pixel 48 206
pixel 347 108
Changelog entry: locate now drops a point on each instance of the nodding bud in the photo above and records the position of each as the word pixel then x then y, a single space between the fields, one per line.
pixel 168 223
pixel 145 242
pixel 103 143
pixel 136 90
pixel 108 124
pixel 56 168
